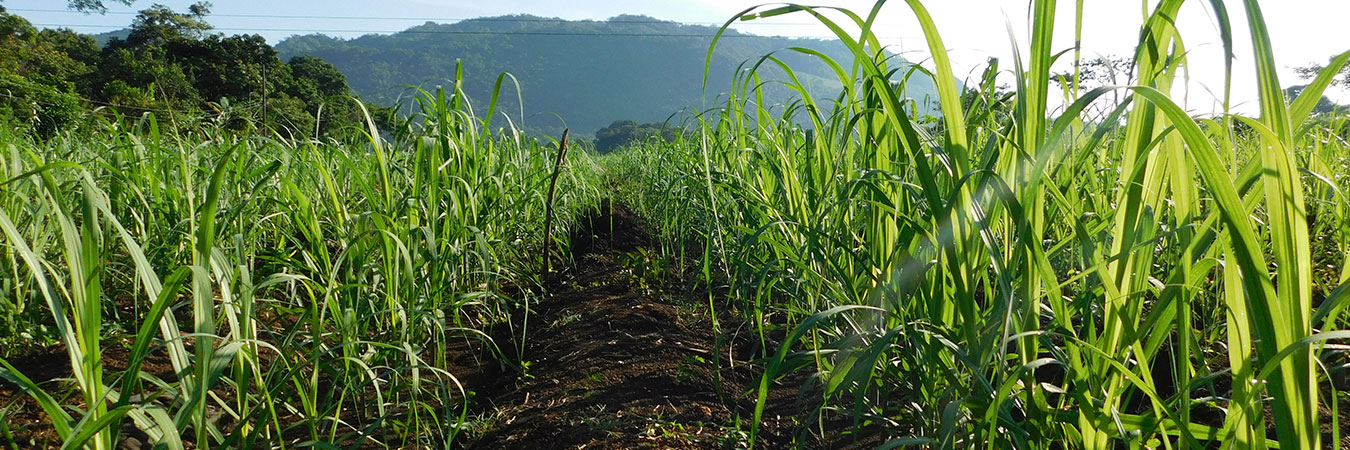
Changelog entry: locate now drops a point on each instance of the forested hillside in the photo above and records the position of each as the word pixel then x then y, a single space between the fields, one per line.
pixel 590 73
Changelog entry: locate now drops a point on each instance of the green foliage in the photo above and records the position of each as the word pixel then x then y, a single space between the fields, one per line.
pixel 37 76
pixel 160 25
pixel 1002 276
pixel 649 272
pixel 1323 106
pixel 94 5
pixel 294 285
pixel 170 56
pixel 325 79
pixel 623 133
pixel 1312 70
pixel 169 63
pixel 40 108
pixel 79 47
pixel 1016 276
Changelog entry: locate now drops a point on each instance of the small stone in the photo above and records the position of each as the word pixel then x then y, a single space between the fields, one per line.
pixel 130 443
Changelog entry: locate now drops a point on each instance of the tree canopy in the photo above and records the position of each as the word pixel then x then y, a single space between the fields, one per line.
pixel 160 24
pixel 94 5
pixel 1312 70
pixel 37 88
pixel 623 133
pixel 169 63
pixel 1324 104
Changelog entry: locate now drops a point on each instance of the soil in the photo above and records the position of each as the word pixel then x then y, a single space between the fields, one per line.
pixel 615 361
pixel 26 426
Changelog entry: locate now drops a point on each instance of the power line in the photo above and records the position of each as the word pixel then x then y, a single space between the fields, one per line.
pixel 430 19
pixel 454 19
pixel 461 32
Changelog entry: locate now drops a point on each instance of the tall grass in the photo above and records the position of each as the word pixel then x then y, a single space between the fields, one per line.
pixel 305 292
pixel 1008 275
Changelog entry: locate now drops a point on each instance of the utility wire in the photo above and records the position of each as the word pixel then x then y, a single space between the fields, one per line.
pixel 454 20
pixel 431 19
pixel 476 32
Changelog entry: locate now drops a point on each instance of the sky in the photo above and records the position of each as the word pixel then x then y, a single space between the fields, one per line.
pixel 1302 31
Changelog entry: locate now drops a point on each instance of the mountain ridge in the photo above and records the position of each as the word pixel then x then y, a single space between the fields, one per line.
pixel 587 72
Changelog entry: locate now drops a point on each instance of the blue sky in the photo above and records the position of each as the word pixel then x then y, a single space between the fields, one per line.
pixel 366 14
pixel 1304 31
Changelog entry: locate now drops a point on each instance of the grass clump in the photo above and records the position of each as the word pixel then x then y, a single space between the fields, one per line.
pixel 1005 275
pixel 301 291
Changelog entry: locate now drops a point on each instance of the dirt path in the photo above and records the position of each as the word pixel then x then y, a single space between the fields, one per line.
pixel 615 364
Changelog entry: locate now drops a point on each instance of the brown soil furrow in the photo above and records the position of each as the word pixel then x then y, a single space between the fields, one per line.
pixel 611 366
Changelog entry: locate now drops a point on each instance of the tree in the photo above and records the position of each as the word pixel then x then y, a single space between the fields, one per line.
pixel 1106 70
pixel 80 47
pixel 162 64
pixel 1312 70
pixel 324 88
pixel 170 63
pixel 160 24
pixel 36 78
pixel 326 78
pixel 15 26
pixel 97 6
pixel 228 67
pixel 622 133
pixel 1101 71
pixel 1324 105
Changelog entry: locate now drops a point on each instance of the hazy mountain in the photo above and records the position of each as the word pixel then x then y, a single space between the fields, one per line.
pixel 103 38
pixel 588 72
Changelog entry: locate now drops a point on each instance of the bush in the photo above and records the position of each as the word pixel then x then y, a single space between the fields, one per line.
pixel 623 133
pixel 42 108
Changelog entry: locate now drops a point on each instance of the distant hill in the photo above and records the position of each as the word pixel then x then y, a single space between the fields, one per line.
pixel 103 38
pixel 590 73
